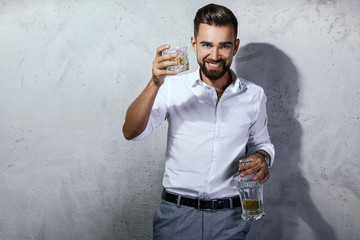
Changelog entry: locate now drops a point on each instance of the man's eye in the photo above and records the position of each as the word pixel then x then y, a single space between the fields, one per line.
pixel 206 45
pixel 225 46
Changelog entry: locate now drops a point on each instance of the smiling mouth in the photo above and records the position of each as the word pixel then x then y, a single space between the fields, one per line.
pixel 214 65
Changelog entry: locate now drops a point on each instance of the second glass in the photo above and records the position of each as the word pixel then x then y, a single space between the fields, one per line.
pixel 251 195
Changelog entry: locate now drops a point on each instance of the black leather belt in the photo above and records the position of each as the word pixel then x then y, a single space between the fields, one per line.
pixel 202 204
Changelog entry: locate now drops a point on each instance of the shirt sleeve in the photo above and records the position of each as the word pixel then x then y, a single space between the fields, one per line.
pixel 158 113
pixel 258 134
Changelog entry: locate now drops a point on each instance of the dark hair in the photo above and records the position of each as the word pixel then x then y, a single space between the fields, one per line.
pixel 214 14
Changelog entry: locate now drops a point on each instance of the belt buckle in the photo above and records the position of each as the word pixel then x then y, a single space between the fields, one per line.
pixel 215 204
pixel 205 206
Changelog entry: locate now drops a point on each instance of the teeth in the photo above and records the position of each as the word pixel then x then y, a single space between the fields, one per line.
pixel 214 64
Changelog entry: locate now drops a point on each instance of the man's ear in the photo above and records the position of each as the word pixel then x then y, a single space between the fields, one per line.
pixel 237 44
pixel 193 44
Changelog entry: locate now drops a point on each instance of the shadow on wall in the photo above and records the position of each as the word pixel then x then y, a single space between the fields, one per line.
pixel 286 194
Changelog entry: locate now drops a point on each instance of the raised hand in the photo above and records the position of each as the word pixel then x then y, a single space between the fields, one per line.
pixel 160 64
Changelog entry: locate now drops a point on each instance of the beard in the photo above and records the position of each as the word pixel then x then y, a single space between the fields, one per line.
pixel 214 74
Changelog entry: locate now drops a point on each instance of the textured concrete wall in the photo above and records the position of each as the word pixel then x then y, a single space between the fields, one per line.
pixel 69 70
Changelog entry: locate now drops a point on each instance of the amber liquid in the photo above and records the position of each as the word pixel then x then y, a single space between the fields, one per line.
pixel 251 205
pixel 180 60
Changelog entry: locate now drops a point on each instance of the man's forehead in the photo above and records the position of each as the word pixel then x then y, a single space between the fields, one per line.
pixel 213 33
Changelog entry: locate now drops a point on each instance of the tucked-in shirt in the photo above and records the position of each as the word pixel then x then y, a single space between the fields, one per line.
pixel 208 136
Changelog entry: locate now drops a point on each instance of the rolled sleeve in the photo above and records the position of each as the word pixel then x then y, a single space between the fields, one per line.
pixel 158 113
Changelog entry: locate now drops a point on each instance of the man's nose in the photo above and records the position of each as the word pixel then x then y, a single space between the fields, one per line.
pixel 215 53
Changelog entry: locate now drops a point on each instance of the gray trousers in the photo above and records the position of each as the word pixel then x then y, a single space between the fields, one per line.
pixel 188 223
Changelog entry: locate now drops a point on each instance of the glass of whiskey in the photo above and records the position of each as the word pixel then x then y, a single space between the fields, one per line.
pixel 182 59
pixel 251 195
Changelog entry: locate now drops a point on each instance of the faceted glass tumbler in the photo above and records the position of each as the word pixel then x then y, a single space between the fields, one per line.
pixel 251 195
pixel 182 59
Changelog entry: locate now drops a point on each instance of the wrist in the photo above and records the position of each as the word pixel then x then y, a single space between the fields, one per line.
pixel 156 82
pixel 265 157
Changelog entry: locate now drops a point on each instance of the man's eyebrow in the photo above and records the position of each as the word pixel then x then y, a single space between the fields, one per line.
pixel 205 42
pixel 221 43
pixel 224 43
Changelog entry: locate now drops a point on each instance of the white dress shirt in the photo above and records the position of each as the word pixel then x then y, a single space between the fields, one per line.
pixel 207 136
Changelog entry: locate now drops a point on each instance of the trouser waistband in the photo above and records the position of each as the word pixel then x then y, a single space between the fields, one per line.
pixel 202 204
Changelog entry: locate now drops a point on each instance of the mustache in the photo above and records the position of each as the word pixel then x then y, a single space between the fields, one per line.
pixel 215 61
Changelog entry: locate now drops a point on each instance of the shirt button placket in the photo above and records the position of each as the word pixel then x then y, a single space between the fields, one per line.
pixel 215 147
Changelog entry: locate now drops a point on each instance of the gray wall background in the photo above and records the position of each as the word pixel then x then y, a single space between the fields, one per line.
pixel 69 70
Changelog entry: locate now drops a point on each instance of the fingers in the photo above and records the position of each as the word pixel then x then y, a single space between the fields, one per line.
pixel 257 166
pixel 262 175
pixel 160 57
pixel 164 62
pixel 159 69
pixel 265 178
pixel 160 49
pixel 247 168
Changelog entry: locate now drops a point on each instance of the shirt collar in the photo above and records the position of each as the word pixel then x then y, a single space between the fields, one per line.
pixel 238 83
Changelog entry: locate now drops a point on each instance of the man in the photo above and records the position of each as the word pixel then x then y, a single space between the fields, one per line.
pixel 215 119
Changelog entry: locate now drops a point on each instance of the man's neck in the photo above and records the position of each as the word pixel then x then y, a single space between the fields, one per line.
pixel 219 84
